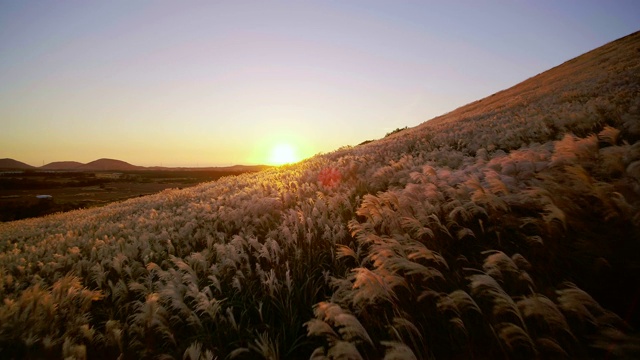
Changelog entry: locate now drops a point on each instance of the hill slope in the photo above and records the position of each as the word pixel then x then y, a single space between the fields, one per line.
pixel 108 165
pixel 14 164
pixel 507 228
pixel 62 165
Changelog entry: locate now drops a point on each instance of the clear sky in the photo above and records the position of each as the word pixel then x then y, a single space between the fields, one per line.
pixel 207 83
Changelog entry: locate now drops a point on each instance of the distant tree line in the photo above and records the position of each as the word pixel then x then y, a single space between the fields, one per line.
pixel 397 130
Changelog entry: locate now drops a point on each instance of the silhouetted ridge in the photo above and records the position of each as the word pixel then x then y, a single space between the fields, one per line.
pixel 62 165
pixel 11 164
pixel 109 164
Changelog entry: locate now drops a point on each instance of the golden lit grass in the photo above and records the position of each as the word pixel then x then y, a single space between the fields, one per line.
pixel 507 228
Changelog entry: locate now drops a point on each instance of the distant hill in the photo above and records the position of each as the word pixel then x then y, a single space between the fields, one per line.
pixel 62 165
pixel 119 165
pixel 11 164
pixel 109 165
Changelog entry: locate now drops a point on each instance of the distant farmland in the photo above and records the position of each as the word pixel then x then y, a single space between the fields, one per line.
pixel 72 190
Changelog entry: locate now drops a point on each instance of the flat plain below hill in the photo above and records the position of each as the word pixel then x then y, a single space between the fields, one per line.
pixel 70 190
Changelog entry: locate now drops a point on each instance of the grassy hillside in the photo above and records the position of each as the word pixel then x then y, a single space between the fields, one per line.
pixel 508 228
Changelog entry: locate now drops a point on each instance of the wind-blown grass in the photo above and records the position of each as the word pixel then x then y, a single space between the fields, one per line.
pixel 507 228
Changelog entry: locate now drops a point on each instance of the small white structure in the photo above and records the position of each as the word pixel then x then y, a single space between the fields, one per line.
pixel 44 197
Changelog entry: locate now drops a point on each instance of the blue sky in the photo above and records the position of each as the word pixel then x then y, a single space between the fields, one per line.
pixel 186 83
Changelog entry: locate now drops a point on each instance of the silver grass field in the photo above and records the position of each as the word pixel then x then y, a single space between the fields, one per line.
pixel 508 228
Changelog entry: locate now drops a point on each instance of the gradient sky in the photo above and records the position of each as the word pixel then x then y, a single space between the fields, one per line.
pixel 207 83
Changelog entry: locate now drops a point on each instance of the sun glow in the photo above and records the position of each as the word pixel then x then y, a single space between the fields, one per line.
pixel 283 154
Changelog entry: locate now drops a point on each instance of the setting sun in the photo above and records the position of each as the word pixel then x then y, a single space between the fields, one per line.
pixel 283 154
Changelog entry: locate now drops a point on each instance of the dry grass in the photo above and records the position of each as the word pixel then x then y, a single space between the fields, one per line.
pixel 506 228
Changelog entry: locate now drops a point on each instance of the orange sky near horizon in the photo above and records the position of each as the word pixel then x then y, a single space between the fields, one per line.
pixel 252 82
